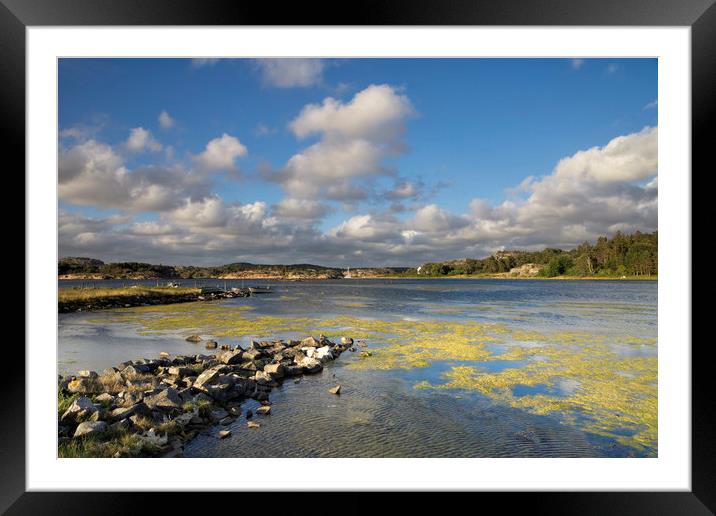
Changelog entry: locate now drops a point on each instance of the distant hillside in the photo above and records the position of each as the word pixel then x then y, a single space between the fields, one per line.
pixel 622 255
pixel 89 268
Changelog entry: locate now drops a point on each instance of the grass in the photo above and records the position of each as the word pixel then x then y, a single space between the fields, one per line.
pixel 79 294
pixel 112 442
pixel 64 401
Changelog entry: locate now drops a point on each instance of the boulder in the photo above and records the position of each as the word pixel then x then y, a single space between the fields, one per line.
pixel 211 344
pixel 80 410
pixel 293 370
pixel 165 400
pixel 208 377
pixel 310 365
pixel 89 428
pixel 335 390
pixel 310 342
pixel 139 409
pixel 347 341
pixel 223 434
pixel 323 354
pixel 87 374
pixel 163 354
pixel 231 357
pixel 252 424
pixel 264 409
pixel 83 386
pixel 105 397
pixel 135 370
pixel 193 338
pixel 365 354
pixel 275 370
pixel 180 371
pixel 252 354
pixel 264 378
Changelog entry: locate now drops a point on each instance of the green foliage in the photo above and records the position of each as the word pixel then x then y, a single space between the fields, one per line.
pixel 622 255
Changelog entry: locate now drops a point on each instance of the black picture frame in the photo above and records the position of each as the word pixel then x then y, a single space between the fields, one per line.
pixel 700 15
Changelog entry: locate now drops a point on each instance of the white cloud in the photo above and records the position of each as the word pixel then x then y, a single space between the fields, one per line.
pixel 300 209
pixel 92 173
pixel 652 105
pixel 165 120
pixel 141 140
pixel 291 72
pixel 355 138
pixel 221 153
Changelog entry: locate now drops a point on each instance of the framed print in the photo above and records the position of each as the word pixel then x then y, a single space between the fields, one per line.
pixel 429 249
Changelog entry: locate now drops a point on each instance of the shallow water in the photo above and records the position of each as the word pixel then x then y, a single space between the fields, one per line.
pixel 460 368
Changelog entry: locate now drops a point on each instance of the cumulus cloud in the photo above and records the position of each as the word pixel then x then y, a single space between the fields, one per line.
pixel 141 140
pixel 165 120
pixel 291 72
pixel 92 173
pixel 355 138
pixel 592 192
pixel 221 153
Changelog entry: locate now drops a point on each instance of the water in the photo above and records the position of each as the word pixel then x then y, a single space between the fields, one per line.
pixel 571 365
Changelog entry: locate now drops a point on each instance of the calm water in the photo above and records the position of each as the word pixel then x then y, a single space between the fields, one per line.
pixel 437 407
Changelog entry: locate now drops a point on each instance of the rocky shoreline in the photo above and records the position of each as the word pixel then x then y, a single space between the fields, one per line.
pixel 152 407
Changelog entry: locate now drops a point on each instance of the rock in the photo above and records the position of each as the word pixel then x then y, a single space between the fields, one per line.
pixel 231 357
pixel 365 354
pixel 87 374
pixel 139 409
pixel 264 409
pixel 223 434
pixel 89 428
pixel 105 397
pixel 193 338
pixel 253 424
pixel 80 410
pixel 122 424
pixel 323 354
pixel 309 351
pixel 310 365
pixel 135 370
pixel 225 347
pixel 249 414
pixel 130 398
pixel 335 390
pixel 234 411
pixel 252 354
pixel 163 354
pixel 275 370
pixel 218 414
pixel 83 386
pixel 180 371
pixel 211 344
pixel 226 421
pixel 293 370
pixel 264 378
pixel 347 341
pixel 208 377
pixel 165 400
pixel 310 342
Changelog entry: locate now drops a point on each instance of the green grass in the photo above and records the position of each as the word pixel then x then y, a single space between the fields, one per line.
pixel 75 294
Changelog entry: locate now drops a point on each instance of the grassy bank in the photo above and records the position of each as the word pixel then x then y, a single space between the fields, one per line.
pixel 76 298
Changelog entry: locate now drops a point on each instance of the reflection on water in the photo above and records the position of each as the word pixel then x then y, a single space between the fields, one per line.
pixel 472 368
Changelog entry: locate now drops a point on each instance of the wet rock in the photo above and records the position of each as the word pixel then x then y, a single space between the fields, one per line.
pixel 89 428
pixel 163 354
pixel 264 409
pixel 293 370
pixel 335 390
pixel 165 400
pixel 218 414
pixel 80 410
pixel 211 344
pixel 193 338
pixel 253 424
pixel 223 434
pixel 347 341
pixel 249 414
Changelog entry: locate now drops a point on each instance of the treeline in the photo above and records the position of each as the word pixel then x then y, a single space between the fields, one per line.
pixel 622 255
pixel 91 266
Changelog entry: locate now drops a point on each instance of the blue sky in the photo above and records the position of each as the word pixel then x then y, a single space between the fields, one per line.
pixel 375 161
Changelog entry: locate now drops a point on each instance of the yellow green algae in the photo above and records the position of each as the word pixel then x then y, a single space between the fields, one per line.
pixel 613 396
